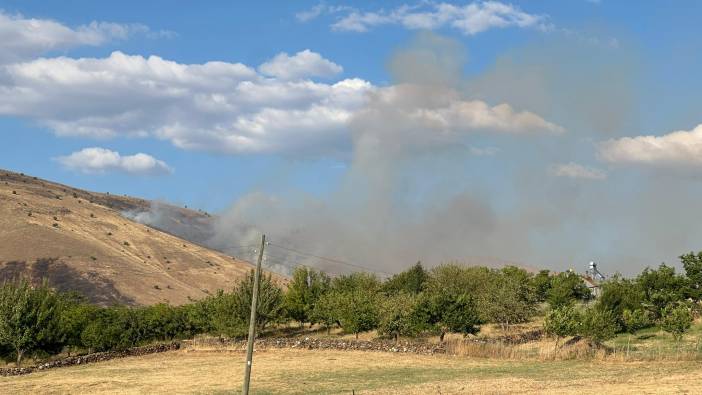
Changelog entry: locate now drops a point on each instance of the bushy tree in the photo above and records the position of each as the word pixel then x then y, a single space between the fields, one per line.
pixel 305 289
pixel 676 320
pixel 635 320
pixel 354 281
pixel 403 315
pixel 411 281
pixel 541 283
pixel 105 331
pixel 618 295
pixel 598 325
pixel 692 263
pixel 232 311
pixel 75 316
pixel 326 310
pixel 661 287
pixel 358 310
pixel 28 317
pixel 509 298
pixel 566 288
pixel 452 311
pixel 562 321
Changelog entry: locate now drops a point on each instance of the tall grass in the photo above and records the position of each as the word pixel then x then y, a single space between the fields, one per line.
pixel 546 350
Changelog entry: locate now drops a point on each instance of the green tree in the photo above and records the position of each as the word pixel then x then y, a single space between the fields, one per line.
pixel 402 315
pixel 411 281
pixel 599 325
pixel 618 295
pixel 305 289
pixel 510 299
pixel 452 311
pixel 354 281
pixel 566 288
pixel 692 263
pixel 676 320
pixel 75 315
pixel 28 316
pixel 357 310
pixel 661 287
pixel 232 311
pixel 541 284
pixel 326 310
pixel 562 321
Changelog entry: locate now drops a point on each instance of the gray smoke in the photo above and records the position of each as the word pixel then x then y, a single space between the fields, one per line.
pixel 416 191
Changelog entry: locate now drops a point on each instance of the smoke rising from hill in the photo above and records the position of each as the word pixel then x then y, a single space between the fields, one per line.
pixel 445 166
pixel 405 196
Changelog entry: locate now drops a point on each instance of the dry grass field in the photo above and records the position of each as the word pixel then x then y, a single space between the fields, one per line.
pixel 340 372
pixel 83 243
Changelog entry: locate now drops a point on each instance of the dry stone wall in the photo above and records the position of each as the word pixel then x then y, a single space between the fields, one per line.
pixel 90 358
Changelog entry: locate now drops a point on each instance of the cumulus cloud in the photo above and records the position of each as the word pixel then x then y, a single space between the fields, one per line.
pixel 679 149
pixel 301 65
pixel 226 107
pixel 101 160
pixel 469 19
pixel 24 38
pixel 574 170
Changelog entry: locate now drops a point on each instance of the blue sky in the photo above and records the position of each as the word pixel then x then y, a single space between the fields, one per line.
pixel 594 89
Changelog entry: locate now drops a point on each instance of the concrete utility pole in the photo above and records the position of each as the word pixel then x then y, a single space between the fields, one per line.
pixel 252 322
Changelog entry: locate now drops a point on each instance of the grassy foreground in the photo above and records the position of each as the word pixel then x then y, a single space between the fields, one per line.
pixel 333 372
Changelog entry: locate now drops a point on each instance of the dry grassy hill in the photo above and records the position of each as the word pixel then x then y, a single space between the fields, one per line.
pixel 79 240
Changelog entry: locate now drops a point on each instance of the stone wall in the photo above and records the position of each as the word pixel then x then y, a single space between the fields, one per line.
pixel 318 344
pixel 90 358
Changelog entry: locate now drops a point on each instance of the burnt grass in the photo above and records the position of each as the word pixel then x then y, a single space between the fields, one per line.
pixel 95 288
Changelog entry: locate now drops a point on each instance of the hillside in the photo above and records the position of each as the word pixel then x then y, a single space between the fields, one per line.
pixel 79 240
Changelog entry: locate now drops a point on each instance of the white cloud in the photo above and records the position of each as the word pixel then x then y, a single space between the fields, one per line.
pixel 24 38
pixel 301 65
pixel 100 160
pixel 574 170
pixel 319 9
pixel 682 149
pixel 477 115
pixel 469 19
pixel 215 106
pixel 227 107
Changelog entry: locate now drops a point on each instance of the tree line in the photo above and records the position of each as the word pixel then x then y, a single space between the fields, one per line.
pixel 38 321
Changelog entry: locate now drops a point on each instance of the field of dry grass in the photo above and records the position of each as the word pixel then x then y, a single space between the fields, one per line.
pixel 332 372
pixel 98 252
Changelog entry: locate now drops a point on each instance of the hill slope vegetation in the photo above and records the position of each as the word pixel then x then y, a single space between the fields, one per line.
pixel 79 240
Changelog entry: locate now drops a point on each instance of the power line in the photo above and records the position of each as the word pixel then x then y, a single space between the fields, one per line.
pixel 332 260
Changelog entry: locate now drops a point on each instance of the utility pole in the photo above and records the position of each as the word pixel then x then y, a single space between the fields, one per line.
pixel 252 322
